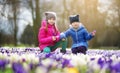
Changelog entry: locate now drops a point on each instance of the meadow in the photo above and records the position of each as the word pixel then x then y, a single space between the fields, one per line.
pixel 31 60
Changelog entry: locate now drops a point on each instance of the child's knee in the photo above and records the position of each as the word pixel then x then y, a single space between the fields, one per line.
pixel 74 50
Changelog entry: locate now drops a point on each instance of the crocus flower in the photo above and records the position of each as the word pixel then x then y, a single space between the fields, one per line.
pixel 92 59
pixel 65 63
pixel 101 62
pixel 72 70
pixel 3 63
pixel 18 68
pixel 116 67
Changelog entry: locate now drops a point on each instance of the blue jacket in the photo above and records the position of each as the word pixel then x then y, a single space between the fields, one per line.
pixel 79 36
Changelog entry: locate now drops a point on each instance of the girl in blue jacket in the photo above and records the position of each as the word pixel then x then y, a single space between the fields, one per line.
pixel 79 35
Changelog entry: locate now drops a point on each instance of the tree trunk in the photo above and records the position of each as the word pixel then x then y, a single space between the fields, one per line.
pixel 15 29
pixel 15 21
pixel 36 20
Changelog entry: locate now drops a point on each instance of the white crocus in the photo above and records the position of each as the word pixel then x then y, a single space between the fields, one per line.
pixel 1 55
pixel 41 70
pixel 78 61
pixel 46 62
pixel 14 58
pixel 114 58
pixel 26 66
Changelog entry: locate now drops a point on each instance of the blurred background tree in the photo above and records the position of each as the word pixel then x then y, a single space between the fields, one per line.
pixel 21 19
pixel 28 34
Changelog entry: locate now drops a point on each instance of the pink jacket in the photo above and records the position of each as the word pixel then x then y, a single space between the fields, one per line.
pixel 45 37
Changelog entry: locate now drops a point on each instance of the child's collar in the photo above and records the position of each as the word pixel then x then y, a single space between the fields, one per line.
pixel 80 26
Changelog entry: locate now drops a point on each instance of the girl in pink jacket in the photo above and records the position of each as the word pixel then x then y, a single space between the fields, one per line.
pixel 49 35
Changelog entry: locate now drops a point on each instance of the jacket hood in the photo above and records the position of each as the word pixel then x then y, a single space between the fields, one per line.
pixel 43 23
pixel 81 26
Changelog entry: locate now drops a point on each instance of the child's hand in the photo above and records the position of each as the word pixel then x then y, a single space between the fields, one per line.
pixel 62 36
pixel 53 38
pixel 93 33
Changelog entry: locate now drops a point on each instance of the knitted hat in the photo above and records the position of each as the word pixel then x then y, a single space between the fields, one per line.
pixel 74 18
pixel 50 15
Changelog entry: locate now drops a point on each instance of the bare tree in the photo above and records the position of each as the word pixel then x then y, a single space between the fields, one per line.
pixel 14 5
pixel 35 10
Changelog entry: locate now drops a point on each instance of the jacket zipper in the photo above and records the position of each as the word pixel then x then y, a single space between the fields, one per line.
pixel 77 37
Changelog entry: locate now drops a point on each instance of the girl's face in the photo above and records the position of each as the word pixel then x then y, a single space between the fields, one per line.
pixel 75 25
pixel 51 21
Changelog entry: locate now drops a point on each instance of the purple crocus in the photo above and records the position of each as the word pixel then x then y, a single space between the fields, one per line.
pixel 58 59
pixel 101 62
pixel 23 60
pixel 32 66
pixel 7 51
pixel 48 55
pixel 3 63
pixel 109 63
pixel 92 59
pixel 18 68
pixel 116 67
pixel 65 63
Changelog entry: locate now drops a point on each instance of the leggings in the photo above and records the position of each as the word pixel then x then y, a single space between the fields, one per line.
pixel 61 43
pixel 81 49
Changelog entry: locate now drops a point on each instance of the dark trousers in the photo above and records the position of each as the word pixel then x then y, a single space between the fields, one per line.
pixel 81 49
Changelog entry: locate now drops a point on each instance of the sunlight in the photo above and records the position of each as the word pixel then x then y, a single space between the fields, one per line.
pixel 104 5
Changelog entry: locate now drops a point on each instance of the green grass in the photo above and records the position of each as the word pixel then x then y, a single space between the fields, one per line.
pixel 20 45
pixel 7 70
pixel 107 48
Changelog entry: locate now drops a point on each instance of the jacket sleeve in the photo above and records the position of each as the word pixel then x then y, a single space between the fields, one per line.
pixel 64 34
pixel 42 37
pixel 67 33
pixel 88 36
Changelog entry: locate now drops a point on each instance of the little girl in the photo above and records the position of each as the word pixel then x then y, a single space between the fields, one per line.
pixel 49 35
